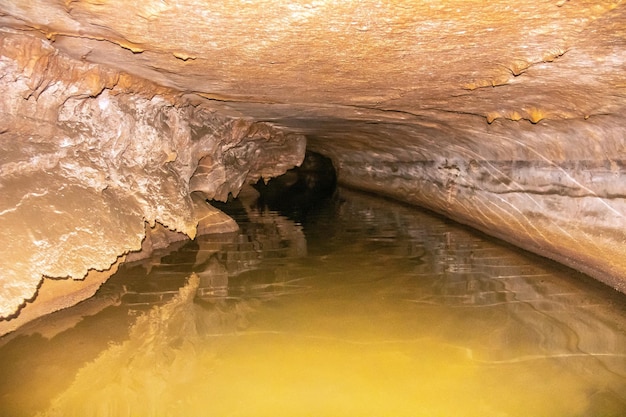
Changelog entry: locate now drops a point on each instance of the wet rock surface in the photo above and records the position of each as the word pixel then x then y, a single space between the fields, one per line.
pixel 91 156
pixel 504 116
pixel 555 198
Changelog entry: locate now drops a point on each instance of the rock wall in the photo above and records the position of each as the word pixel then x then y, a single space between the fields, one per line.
pixel 554 189
pixel 91 157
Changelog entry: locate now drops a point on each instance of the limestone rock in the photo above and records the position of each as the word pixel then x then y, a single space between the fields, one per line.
pixel 91 154
pixel 503 115
pixel 557 198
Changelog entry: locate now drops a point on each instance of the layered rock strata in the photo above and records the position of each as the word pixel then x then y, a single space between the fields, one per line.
pixel 93 158
pixel 551 189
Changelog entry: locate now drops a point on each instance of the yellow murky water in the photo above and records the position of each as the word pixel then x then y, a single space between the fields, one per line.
pixel 363 308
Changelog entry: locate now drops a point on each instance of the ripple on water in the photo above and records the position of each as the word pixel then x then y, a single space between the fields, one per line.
pixel 364 308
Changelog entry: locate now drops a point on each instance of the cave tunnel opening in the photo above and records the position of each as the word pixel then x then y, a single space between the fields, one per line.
pixel 314 180
pixel 293 194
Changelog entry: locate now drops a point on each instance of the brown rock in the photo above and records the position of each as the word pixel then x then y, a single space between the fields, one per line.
pixel 86 163
pixel 503 115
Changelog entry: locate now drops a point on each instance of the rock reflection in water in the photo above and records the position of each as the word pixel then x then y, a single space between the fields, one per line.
pixel 362 308
pixel 215 258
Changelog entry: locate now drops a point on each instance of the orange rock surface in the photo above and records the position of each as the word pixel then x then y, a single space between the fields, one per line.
pixel 503 115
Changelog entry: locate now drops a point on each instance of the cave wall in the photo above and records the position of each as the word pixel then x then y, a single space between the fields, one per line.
pixel 94 160
pixel 552 188
pixel 119 117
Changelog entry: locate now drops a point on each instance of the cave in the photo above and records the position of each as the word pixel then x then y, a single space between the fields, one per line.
pixel 126 125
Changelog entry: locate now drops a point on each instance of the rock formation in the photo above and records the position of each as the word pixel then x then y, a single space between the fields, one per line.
pixel 94 160
pixel 119 118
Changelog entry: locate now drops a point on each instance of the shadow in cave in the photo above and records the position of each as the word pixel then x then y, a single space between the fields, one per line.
pixel 294 194
pixel 300 189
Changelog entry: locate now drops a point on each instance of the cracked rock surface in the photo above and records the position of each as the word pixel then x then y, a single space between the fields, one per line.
pixel 503 115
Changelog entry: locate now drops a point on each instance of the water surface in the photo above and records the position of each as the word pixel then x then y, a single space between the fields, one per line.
pixel 357 306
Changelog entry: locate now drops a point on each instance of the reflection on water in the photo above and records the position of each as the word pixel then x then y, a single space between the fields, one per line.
pixel 361 308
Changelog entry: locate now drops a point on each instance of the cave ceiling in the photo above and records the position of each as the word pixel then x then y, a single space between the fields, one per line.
pixel 306 64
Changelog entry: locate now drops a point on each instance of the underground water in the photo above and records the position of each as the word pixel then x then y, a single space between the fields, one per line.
pixel 331 303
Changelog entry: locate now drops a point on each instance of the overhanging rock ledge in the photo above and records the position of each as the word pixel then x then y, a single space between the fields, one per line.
pixel 93 159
